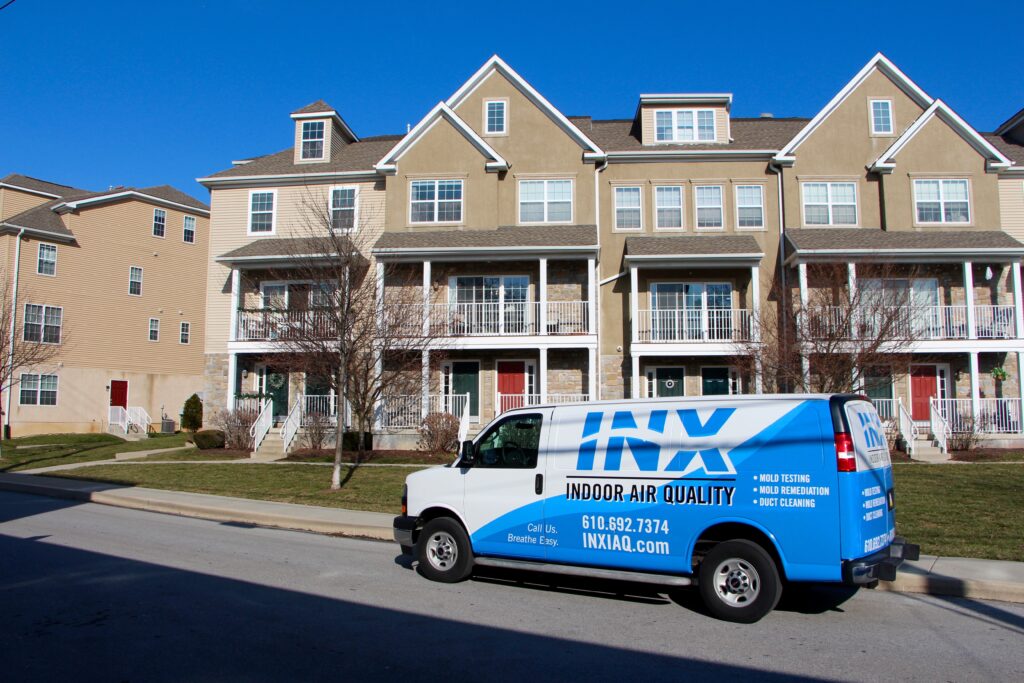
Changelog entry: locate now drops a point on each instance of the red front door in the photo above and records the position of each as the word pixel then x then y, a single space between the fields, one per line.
pixel 923 387
pixel 119 393
pixel 511 384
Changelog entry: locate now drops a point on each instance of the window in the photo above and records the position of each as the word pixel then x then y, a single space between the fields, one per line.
pixel 184 333
pixel 545 201
pixel 749 206
pixel 322 295
pixel 627 208
pixel 495 113
pixel 261 212
pixel 159 222
pixel 189 230
pixel 830 203
pixel 942 201
pixel 313 140
pixel 343 208
pixel 47 263
pixel 436 201
pixel 38 390
pixel 708 199
pixel 881 117
pixel 490 305
pixel 691 311
pixel 154 329
pixel 684 125
pixel 135 281
pixel 513 443
pixel 668 207
pixel 42 323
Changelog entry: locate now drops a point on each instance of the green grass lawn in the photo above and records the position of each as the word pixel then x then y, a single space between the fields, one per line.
pixel 196 455
pixel 66 449
pixel 377 457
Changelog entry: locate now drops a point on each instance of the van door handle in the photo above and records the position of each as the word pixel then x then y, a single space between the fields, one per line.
pixel 538 484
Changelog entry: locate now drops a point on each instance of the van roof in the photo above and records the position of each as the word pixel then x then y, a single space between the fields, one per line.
pixel 690 399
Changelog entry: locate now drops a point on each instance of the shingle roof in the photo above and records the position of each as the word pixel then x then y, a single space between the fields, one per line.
pixel 173 194
pixel 42 218
pixel 315 108
pixel 356 156
pixel 271 247
pixel 691 245
pixel 623 135
pixel 30 183
pixel 1010 149
pixel 857 239
pixel 503 237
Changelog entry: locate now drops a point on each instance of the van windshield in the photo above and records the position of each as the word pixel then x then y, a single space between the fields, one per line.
pixel 513 443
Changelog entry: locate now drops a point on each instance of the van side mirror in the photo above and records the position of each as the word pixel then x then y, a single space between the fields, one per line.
pixel 467 454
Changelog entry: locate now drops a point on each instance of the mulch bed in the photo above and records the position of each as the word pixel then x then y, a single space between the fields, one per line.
pixel 987 455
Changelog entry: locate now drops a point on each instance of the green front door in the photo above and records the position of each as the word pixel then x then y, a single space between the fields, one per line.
pixel 669 381
pixel 466 380
pixel 714 381
pixel 276 387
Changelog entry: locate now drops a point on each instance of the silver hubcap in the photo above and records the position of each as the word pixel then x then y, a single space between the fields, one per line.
pixel 736 582
pixel 442 552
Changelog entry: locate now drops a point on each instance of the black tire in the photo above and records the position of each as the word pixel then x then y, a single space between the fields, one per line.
pixel 408 550
pixel 444 552
pixel 739 582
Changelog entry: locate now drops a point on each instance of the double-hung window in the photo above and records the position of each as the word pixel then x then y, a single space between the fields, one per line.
pixel 154 329
pixel 830 203
pixel 135 281
pixel 881 117
pixel 189 230
pixel 47 262
pixel 42 323
pixel 668 207
pixel 749 206
pixel 545 201
pixel 38 390
pixel 708 200
pixel 261 212
pixel 343 208
pixel 184 333
pixel 942 201
pixel 684 125
pixel 495 114
pixel 435 201
pixel 159 222
pixel 627 208
pixel 313 140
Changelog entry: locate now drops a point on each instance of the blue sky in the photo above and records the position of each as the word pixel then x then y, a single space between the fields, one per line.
pixel 143 93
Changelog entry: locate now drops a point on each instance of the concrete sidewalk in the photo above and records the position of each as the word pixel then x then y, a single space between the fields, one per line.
pixel 953 576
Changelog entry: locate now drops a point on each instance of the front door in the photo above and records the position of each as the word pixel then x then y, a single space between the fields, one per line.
pixel 667 381
pixel 119 393
pixel 924 386
pixel 714 381
pixel 274 385
pixel 466 380
pixel 511 384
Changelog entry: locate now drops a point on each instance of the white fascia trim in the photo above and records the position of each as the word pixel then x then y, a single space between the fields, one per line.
pixel 130 193
pixel 1010 123
pixel 694 257
pixel 41 233
pixel 368 174
pixel 879 61
pixel 30 191
pixel 885 163
pixel 661 155
pixel 275 258
pixel 334 116
pixel 799 255
pixel 389 163
pixel 687 98
pixel 498 64
pixel 491 251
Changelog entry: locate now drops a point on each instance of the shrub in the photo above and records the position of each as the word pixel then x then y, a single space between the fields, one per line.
pixel 439 433
pixel 350 441
pixel 192 413
pixel 208 438
pixel 317 428
pixel 235 425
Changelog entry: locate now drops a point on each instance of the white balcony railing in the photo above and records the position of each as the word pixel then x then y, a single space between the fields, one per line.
pixel 408 411
pixel 994 322
pixel 995 415
pixel 695 325
pixel 494 319
pixel 910 322
pixel 282 325
pixel 512 401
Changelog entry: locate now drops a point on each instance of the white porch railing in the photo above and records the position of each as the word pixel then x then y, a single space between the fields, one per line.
pixel 290 428
pixel 994 322
pixel 695 324
pixel 408 411
pixel 323 404
pixel 496 319
pixel 138 417
pixel 885 407
pixel 261 427
pixel 907 427
pixel 911 322
pixel 271 324
pixel 511 401
pixel 938 424
pixel 118 417
pixel 567 317
pixel 1000 415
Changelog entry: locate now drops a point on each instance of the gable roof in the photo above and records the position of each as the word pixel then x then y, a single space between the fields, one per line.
pixel 1010 123
pixel 321 110
pixel 767 135
pixel 996 160
pixel 877 63
pixel 496 64
pixel 318 107
pixel 16 181
pixel 388 164
pixel 1013 151
pixel 41 221
pixel 164 195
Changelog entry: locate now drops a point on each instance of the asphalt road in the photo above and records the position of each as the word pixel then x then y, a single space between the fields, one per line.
pixel 89 592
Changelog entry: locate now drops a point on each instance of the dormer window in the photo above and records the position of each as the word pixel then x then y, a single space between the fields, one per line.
pixel 312 139
pixel 684 125
pixel 496 117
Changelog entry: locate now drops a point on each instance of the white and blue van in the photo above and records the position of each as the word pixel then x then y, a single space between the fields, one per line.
pixel 733 494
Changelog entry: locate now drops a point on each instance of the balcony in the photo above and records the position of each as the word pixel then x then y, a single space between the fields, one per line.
pixel 695 325
pixel 271 324
pixel 911 323
pixel 497 319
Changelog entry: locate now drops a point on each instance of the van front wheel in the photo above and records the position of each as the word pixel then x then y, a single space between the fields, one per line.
pixel 739 582
pixel 444 552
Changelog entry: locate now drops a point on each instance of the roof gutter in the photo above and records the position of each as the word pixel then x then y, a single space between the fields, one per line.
pixel 41 233
pixel 75 204
pixel 798 254
pixel 241 180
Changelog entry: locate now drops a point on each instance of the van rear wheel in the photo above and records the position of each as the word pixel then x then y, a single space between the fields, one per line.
pixel 444 552
pixel 739 581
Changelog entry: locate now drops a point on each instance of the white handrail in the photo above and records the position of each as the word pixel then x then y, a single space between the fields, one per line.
pixel 907 427
pixel 261 427
pixel 938 424
pixel 290 428
pixel 137 415
pixel 118 416
pixel 464 421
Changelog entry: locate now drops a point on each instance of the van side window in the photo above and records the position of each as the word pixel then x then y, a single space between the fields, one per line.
pixel 511 444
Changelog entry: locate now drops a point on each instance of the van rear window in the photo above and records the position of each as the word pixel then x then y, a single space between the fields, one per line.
pixel 868 432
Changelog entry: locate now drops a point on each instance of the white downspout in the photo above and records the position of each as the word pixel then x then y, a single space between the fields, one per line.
pixel 10 340
pixel 597 285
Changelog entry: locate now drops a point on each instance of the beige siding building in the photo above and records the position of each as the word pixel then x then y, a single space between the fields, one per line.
pixel 114 280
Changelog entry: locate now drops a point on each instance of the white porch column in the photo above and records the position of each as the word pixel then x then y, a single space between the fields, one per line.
pixel 802 271
pixel 591 298
pixel 975 396
pixel 1018 302
pixel 972 332
pixel 542 296
pixel 378 362
pixel 592 373
pixel 232 378
pixel 236 297
pixel 755 325
pixel 851 293
pixel 1020 390
pixel 425 383
pixel 542 376
pixel 805 363
pixel 634 390
pixel 426 299
pixel 634 304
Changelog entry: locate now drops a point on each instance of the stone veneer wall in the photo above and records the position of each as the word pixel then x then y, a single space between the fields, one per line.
pixel 567 371
pixel 215 386
pixel 614 373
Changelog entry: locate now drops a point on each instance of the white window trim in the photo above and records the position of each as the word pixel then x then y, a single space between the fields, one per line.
pixel 195 230
pixel 615 207
pixel 462 201
pixel 273 213
pixel 141 280
pixel 736 200
pixel 830 224
pixel 149 330
pixel 153 226
pixel 942 201
pixel 39 390
pixel 39 260
pixel 42 325
pixel 572 201
pixel 504 131
pixel 355 207
pixel 181 326
pixel 323 141
pixel 682 206
pixel 696 208
pixel 675 126
pixel 871 118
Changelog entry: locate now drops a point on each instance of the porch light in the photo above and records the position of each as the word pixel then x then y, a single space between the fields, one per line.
pixel 988 273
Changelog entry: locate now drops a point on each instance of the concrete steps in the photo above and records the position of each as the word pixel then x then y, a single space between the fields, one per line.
pixel 271 449
pixel 925 450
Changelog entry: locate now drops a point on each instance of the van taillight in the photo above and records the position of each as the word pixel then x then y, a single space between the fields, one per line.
pixel 846 460
pixel 405 499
